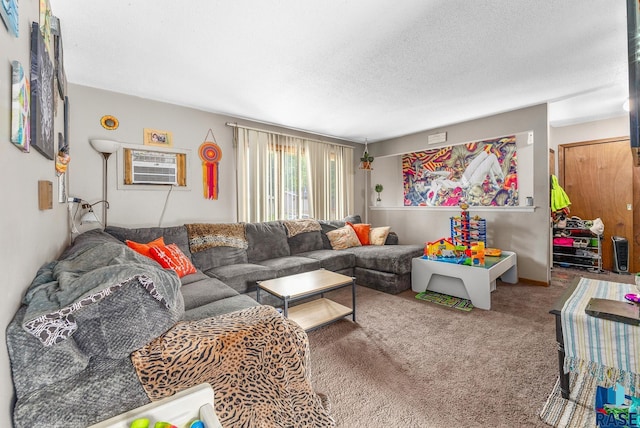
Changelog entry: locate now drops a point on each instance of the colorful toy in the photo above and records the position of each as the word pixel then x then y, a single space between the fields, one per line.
pixel 140 423
pixel 632 297
pixel 164 425
pixel 465 230
pixel 477 254
pixel 444 250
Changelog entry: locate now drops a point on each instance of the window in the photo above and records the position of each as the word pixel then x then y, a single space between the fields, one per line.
pixel 285 177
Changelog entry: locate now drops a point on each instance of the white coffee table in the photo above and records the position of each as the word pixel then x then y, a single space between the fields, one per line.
pixel 468 282
pixel 315 313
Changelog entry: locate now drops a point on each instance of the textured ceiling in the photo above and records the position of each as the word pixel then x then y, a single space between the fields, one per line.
pixel 355 69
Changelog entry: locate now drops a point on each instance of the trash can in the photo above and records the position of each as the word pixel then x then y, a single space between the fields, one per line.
pixel 620 254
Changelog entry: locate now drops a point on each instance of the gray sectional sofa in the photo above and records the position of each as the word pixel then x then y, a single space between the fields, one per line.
pixel 227 275
pixel 85 314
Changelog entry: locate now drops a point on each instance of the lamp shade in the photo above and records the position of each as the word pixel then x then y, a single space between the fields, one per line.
pixel 104 146
pixel 89 217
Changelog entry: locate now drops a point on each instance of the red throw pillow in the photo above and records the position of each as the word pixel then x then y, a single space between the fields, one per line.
pixel 170 257
pixel 144 248
pixel 362 231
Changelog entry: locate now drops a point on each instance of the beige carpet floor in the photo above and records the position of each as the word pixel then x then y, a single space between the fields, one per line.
pixel 410 363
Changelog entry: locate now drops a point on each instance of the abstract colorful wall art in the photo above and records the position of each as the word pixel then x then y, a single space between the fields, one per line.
pixel 20 95
pixel 482 173
pixel 42 94
pixel 9 13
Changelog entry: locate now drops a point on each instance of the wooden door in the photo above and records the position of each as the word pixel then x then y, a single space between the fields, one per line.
pixel 598 178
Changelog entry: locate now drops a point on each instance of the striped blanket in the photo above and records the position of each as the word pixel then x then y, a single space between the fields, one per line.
pixel 607 350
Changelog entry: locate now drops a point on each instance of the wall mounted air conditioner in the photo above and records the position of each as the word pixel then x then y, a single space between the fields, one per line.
pixel 154 167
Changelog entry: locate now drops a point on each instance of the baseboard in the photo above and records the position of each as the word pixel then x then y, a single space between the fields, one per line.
pixel 534 282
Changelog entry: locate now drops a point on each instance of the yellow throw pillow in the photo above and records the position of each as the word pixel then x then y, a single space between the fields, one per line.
pixel 378 235
pixel 344 237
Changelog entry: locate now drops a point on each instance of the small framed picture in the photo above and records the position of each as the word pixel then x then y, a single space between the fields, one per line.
pixel 154 137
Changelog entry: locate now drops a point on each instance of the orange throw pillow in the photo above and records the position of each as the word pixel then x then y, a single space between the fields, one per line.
pixel 170 257
pixel 144 248
pixel 362 231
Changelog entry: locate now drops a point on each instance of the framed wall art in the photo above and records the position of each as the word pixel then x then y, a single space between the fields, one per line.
pixel 20 110
pixel 58 56
pixel 9 13
pixel 154 137
pixel 45 21
pixel 42 138
pixel 482 173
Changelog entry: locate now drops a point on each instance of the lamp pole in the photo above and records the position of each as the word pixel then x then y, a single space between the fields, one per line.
pixel 105 205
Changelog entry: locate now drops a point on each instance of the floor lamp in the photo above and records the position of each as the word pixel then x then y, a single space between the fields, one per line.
pixel 106 148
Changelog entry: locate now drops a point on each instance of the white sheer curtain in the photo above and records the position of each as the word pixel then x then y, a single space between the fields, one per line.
pixel 283 177
pixel 331 180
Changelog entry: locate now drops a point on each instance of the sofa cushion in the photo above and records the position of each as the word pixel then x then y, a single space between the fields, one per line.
pixel 378 235
pixel 308 241
pixel 362 232
pixel 328 226
pixel 170 257
pixel 172 235
pixel 266 240
pixel 285 266
pixel 220 307
pixel 242 277
pixel 204 291
pixel 144 248
pixel 332 260
pixel 354 219
pixel 218 256
pixel 387 258
pixel 343 238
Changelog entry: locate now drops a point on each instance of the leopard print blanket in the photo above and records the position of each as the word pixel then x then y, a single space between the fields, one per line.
pixel 256 361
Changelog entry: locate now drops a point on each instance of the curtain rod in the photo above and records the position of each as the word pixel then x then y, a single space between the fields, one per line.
pixel 235 125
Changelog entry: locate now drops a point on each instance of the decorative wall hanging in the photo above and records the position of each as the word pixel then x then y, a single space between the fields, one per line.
pixel 9 13
pixel 45 22
pixel 62 158
pixel 58 56
pixel 153 137
pixel 211 154
pixel 20 107
pixel 109 122
pixel 482 173
pixel 41 95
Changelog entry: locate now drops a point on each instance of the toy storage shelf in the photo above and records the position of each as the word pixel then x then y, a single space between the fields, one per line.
pixel 577 247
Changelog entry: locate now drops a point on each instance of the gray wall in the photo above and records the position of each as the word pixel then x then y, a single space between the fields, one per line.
pixel 144 207
pixel 29 237
pixel 524 231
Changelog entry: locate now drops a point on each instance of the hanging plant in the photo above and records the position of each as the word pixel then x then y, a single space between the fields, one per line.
pixel 366 157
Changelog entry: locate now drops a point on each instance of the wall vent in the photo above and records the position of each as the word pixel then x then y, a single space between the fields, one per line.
pixel 153 167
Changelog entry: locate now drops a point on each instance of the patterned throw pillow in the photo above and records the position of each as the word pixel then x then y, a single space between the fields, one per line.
pixel 170 257
pixel 344 237
pixel 144 248
pixel 362 231
pixel 378 235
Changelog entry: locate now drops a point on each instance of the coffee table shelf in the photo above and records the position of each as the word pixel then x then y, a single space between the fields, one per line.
pixel 315 313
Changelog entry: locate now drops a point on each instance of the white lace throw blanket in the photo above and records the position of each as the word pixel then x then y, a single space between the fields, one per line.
pixel 607 350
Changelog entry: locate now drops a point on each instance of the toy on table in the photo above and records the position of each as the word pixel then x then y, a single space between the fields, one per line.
pixel 144 423
pixel 477 254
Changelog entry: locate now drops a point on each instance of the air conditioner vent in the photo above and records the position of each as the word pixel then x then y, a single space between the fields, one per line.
pixel 154 167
